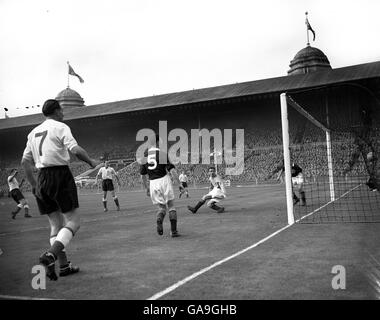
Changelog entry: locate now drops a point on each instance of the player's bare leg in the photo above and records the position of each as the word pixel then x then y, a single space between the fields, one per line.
pixel 116 200
pixel 105 201
pixel 173 219
pixel 160 218
pixel 199 204
pixel 62 231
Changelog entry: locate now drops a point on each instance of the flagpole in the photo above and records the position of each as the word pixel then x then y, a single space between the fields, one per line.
pixel 68 76
pixel 307 30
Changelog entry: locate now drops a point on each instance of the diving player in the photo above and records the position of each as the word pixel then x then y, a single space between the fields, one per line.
pixel 217 192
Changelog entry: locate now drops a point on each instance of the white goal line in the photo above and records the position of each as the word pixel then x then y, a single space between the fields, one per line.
pixel 328 203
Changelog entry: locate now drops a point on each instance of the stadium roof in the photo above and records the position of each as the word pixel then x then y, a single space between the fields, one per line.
pixel 265 86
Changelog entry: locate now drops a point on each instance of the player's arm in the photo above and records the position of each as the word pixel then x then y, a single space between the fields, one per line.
pixel 11 177
pixel 116 176
pixel 174 174
pixel 82 154
pixel 144 179
pixel 28 165
pixel 21 183
pixel 71 144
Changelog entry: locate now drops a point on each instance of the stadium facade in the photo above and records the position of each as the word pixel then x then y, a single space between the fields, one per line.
pixel 253 106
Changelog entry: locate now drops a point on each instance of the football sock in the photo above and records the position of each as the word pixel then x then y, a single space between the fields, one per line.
pixel 61 241
pixel 105 204
pixel 199 204
pixel 116 201
pixel 173 220
pixel 17 210
pixel 62 258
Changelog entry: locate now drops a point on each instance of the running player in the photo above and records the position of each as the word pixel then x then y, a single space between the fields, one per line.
pixel 183 184
pixel 47 149
pixel 18 197
pixel 217 192
pixel 160 187
pixel 107 174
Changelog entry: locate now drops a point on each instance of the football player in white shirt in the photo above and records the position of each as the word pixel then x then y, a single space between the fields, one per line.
pixel 216 193
pixel 107 174
pixel 47 149
pixel 18 197
pixel 183 184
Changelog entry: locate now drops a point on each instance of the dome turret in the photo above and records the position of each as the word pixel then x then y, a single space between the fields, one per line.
pixel 70 98
pixel 307 60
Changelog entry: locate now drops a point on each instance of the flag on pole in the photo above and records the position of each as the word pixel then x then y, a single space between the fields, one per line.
pixel 310 28
pixel 73 73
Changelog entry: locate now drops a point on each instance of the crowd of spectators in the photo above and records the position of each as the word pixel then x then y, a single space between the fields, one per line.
pixel 263 154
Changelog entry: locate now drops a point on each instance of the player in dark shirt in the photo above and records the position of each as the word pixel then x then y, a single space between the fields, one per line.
pixel 297 180
pixel 160 189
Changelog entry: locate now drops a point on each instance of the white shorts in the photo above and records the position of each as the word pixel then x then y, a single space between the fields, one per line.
pixel 161 190
pixel 216 195
pixel 298 179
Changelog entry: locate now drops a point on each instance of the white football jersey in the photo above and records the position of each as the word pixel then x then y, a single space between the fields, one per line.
pixel 13 184
pixel 182 178
pixel 107 173
pixel 217 183
pixel 49 144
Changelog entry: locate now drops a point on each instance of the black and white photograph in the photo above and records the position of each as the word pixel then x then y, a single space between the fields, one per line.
pixel 205 152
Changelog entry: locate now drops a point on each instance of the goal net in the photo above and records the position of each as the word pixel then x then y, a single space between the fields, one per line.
pixel 333 135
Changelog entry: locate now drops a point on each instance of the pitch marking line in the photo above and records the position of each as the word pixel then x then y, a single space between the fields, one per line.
pixel 328 203
pixel 196 274
pixel 204 270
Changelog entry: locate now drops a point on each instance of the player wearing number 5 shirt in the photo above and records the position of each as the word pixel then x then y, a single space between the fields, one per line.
pixel 160 186
pixel 47 149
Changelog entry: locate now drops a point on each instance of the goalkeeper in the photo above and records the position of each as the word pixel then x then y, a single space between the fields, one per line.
pixel 366 144
pixel 297 180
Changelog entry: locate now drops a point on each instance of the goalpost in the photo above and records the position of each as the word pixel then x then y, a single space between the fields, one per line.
pixel 330 150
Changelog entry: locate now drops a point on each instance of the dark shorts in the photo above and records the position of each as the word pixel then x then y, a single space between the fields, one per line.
pixel 56 190
pixel 17 195
pixel 107 185
pixel 183 184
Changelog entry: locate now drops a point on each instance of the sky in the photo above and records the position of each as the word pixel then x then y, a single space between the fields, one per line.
pixel 126 49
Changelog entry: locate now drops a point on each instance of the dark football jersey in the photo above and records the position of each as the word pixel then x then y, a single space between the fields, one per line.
pixel 153 168
pixel 296 170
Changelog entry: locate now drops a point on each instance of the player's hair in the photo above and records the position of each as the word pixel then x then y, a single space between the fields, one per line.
pixel 211 167
pixel 13 170
pixel 50 106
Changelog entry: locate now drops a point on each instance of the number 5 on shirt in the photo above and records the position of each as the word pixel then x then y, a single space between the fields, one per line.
pixel 152 161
